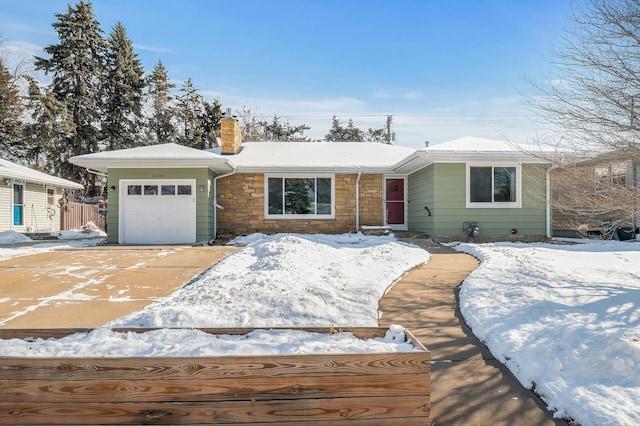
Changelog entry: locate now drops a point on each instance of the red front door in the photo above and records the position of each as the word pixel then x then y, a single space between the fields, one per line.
pixel 395 201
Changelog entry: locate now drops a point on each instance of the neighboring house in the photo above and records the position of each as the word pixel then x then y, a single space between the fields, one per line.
pixel 174 194
pixel 597 197
pixel 29 200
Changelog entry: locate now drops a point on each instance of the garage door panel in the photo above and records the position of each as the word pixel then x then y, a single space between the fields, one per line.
pixel 159 212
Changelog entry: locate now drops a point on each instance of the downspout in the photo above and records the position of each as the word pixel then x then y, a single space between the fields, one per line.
pixel 548 201
pixel 215 201
pixel 358 200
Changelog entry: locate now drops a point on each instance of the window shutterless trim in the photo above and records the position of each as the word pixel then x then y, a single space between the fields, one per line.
pixel 285 216
pixel 493 204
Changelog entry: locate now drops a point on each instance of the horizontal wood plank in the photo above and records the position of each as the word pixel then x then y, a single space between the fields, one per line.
pixel 331 389
pixel 212 390
pixel 45 333
pixel 254 412
pixel 216 367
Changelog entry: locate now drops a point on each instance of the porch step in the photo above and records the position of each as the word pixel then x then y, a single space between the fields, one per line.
pixel 41 236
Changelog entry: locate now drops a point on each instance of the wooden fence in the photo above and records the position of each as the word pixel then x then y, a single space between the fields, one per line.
pixel 329 389
pixel 76 215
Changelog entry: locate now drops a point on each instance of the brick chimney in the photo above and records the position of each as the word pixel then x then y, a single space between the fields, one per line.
pixel 230 134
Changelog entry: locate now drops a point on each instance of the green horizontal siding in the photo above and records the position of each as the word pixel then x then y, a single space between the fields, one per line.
pixel 204 200
pixel 421 195
pixel 445 195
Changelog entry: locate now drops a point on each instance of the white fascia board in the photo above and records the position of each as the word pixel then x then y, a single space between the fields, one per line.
pixel 413 163
pixel 63 183
pixel 103 165
pixel 303 170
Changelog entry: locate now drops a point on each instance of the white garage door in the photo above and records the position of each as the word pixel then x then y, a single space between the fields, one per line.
pixel 157 211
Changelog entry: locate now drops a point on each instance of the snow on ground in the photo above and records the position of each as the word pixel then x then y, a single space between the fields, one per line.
pixel 275 281
pixel 565 319
pixel 288 280
pixel 90 230
pixel 103 342
pixel 73 238
pixel 11 237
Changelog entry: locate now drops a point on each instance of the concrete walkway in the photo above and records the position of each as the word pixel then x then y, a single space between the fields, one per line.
pixel 469 386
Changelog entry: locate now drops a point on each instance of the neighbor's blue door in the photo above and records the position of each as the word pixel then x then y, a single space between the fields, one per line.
pixel 18 204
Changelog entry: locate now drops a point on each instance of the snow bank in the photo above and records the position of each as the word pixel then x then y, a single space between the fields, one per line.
pixel 11 237
pixel 288 280
pixel 565 319
pixel 90 230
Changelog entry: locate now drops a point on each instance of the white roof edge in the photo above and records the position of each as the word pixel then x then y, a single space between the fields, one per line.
pixel 44 179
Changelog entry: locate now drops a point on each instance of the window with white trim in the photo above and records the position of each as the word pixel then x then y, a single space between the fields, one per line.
pixel 291 197
pixel 493 186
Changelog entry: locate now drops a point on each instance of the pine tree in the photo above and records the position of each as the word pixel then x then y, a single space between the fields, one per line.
pixel 189 111
pixel 161 118
pixel 123 89
pixel 351 133
pixel 280 131
pixel 210 120
pixel 77 65
pixel 339 133
pixel 10 113
pixel 45 137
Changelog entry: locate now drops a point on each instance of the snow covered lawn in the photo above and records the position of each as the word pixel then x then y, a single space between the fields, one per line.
pixel 288 280
pixel 565 319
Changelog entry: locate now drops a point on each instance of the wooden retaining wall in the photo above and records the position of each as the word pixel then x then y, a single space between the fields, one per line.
pixel 327 389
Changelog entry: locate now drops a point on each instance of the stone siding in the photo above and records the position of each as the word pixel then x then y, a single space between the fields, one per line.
pixel 242 196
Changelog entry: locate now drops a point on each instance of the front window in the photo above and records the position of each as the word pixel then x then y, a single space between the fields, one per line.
pixel 493 186
pixel 297 196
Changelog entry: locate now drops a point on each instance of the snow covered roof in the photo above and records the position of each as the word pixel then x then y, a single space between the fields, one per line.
pixel 168 155
pixel 12 170
pixel 474 144
pixel 473 148
pixel 334 156
pixel 261 157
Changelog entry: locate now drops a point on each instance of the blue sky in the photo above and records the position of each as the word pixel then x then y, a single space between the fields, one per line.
pixel 443 69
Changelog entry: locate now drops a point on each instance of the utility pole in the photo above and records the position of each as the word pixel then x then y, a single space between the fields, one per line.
pixel 389 121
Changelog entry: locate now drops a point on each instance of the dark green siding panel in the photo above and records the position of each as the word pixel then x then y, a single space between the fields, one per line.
pixel 204 198
pixel 445 193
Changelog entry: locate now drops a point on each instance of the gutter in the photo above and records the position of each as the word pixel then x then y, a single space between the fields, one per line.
pixel 215 200
pixel 358 200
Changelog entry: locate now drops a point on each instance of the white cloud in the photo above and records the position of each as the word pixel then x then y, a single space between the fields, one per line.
pixel 152 48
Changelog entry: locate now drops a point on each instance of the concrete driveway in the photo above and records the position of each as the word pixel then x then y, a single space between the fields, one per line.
pixel 92 286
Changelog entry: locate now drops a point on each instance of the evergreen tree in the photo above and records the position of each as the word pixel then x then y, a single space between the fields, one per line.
pixel 351 133
pixel 123 92
pixel 339 133
pixel 210 120
pixel 11 109
pixel 45 137
pixel 279 131
pixel 77 66
pixel 189 111
pixel 162 115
